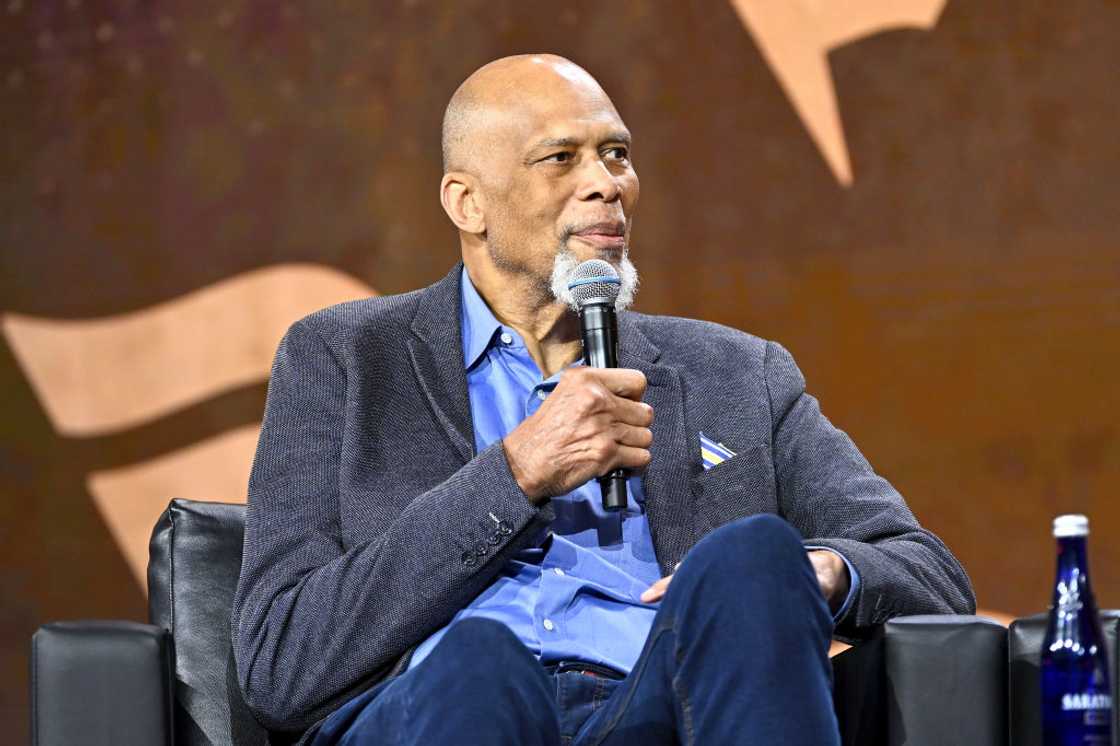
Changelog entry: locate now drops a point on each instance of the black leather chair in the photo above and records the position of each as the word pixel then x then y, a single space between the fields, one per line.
pixel 168 682
pixel 921 680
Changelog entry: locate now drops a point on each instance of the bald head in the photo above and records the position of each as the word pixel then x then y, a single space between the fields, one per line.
pixel 485 100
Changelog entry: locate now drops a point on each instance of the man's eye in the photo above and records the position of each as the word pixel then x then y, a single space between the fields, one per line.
pixel 561 157
pixel 620 152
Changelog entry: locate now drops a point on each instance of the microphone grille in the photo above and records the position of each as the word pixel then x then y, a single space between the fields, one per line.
pixel 594 280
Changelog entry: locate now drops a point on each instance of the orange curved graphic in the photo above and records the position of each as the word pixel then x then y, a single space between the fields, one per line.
pixel 795 37
pixel 99 376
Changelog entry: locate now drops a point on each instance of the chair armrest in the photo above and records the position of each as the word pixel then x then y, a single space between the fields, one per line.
pixel 922 680
pixel 947 677
pixel 101 682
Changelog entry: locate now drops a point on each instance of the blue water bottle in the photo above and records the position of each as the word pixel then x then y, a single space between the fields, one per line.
pixel 1076 696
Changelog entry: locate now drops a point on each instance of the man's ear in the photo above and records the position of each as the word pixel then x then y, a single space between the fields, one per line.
pixel 458 193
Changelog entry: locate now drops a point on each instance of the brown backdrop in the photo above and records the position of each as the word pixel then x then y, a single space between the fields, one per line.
pixel 921 206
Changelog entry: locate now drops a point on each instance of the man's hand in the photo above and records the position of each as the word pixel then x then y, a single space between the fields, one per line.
pixel 593 422
pixel 832 575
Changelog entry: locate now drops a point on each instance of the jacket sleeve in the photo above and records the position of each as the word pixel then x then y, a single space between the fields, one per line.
pixel 313 623
pixel 829 492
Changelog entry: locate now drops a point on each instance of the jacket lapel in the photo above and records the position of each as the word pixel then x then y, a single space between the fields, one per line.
pixel 436 350
pixel 667 479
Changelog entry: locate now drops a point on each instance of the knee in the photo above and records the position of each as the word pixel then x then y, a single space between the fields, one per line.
pixel 480 633
pixel 758 540
pixel 762 550
pixel 494 689
pixel 482 662
pixel 752 568
pixel 484 649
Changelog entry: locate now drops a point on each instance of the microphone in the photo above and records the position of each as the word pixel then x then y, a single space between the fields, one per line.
pixel 594 287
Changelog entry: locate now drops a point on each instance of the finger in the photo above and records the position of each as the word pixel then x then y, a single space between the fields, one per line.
pixel 625 382
pixel 629 457
pixel 633 412
pixel 638 437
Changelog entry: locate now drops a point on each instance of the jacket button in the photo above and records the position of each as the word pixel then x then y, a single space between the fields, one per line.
pixel 481 549
pixel 493 539
pixel 504 528
pixel 469 559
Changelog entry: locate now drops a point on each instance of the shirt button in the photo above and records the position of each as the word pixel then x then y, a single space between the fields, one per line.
pixel 558 571
pixel 549 625
pixel 542 394
pixel 507 338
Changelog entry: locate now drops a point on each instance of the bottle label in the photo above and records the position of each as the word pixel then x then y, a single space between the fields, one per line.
pixel 1076 703
pixel 1086 701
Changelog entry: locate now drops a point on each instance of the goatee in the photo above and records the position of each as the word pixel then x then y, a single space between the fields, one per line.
pixel 565 264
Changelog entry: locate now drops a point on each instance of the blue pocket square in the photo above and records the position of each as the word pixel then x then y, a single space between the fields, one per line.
pixel 712 453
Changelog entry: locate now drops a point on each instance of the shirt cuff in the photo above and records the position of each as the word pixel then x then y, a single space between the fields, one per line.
pixel 853 587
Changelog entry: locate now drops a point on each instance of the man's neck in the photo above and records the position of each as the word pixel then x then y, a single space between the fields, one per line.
pixel 549 329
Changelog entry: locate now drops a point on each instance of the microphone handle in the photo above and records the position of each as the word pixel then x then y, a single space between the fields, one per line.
pixel 599 330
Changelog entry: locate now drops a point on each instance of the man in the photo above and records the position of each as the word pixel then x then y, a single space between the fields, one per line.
pixel 427 560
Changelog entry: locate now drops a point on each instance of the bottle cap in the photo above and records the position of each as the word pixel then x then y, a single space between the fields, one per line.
pixel 1072 524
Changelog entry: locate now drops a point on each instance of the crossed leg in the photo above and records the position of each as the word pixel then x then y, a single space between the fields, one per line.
pixel 738 654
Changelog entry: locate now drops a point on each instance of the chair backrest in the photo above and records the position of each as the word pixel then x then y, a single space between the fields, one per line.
pixel 194 561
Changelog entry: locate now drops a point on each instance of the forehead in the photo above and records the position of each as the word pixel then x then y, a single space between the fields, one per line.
pixel 561 111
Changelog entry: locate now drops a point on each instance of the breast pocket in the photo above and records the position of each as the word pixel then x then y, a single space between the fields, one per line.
pixel 738 487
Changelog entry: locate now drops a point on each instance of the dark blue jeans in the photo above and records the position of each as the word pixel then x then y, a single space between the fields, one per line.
pixel 738 654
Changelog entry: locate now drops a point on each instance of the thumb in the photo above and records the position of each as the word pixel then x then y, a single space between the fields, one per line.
pixel 657 590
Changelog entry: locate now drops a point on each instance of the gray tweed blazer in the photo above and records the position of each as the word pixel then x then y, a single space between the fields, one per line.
pixel 371 518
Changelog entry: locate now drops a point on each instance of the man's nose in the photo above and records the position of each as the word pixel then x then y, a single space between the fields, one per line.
pixel 599 183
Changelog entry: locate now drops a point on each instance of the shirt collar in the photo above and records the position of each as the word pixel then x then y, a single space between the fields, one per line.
pixel 477 322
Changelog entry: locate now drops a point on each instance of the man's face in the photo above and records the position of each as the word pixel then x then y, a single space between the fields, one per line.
pixel 559 179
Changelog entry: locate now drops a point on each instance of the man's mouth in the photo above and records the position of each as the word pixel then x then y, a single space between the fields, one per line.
pixel 608 234
pixel 604 228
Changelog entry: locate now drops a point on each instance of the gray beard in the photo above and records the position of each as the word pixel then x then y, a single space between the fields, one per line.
pixel 565 264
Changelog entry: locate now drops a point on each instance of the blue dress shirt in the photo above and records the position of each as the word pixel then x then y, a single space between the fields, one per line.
pixel 575 597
